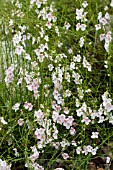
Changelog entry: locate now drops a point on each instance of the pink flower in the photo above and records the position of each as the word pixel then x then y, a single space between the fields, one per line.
pixel 60 118
pixel 66 110
pixel 34 63
pixel 34 156
pixel 20 121
pixel 83 27
pixel 72 131
pixel 49 25
pixel 78 26
pixel 40 134
pixel 98 27
pixel 28 106
pixel 102 37
pixel 86 120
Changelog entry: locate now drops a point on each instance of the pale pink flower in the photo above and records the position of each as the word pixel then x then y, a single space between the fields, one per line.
pixel 103 21
pixel 65 156
pixel 72 131
pixel 72 66
pixel 34 63
pixel 60 118
pixel 34 156
pixel 20 121
pixel 86 120
pixel 40 134
pixel 56 145
pixel 49 25
pixel 78 26
pixel 79 13
pixel 70 51
pixel 79 112
pixel 29 87
pixel 28 106
pixel 107 16
pixel 39 115
pixel 85 150
pixel 98 27
pixel 108 107
pixel 64 143
pixel 19 81
pixel 102 37
pixel 67 25
pixel 50 16
pixel 74 143
pixel 77 58
pixel 83 27
pixel 78 150
pixel 101 119
pixel 89 148
pixel 19 50
pixel 55 116
pixel 94 151
pixel 66 110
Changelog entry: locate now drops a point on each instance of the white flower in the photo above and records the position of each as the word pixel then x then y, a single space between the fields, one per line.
pixel 4 166
pixel 16 152
pixel 81 42
pixel 16 107
pixel 83 27
pixel 111 4
pixel 27 57
pixel 79 13
pixel 3 121
pixel 107 160
pixel 107 16
pixel 19 50
pixel 94 150
pixel 85 4
pixel 94 135
pixel 20 121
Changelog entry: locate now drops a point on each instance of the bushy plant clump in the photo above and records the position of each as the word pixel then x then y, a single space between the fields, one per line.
pixel 56 79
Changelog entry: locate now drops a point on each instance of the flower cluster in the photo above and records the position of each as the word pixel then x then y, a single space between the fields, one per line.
pixel 55 95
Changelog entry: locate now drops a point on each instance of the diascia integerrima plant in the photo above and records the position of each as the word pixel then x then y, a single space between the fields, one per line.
pixel 56 83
